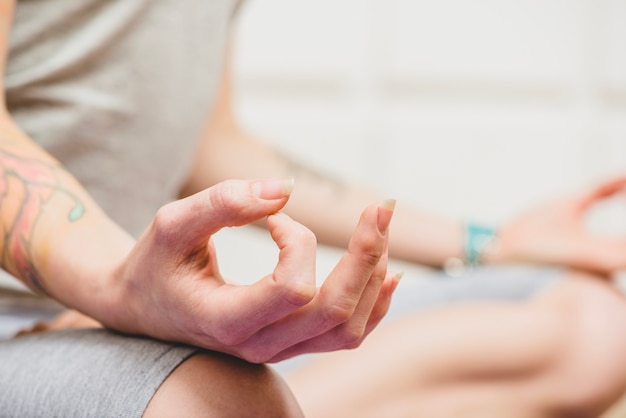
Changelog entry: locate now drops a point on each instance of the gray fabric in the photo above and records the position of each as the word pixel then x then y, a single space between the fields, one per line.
pixel 512 283
pixel 83 373
pixel 118 91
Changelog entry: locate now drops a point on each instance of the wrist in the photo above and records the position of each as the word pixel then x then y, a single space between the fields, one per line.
pixel 81 268
pixel 480 244
pixel 480 247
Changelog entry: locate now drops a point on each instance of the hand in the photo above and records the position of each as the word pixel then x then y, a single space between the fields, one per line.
pixel 171 287
pixel 555 234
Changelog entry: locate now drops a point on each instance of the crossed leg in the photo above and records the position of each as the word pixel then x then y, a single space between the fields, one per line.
pixel 560 354
pixel 94 373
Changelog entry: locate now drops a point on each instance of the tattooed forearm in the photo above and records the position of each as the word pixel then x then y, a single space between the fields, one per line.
pixel 26 185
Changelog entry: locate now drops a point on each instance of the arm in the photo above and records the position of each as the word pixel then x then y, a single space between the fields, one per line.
pixel 417 235
pixel 553 233
pixel 48 220
pixel 167 284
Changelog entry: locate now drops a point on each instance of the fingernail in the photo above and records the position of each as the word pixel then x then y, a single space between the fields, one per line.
pixel 275 188
pixel 385 211
pixel 397 280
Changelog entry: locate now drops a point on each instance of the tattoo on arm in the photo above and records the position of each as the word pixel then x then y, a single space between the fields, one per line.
pixel 26 185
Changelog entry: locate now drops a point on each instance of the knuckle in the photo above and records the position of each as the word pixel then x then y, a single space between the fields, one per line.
pixel 353 342
pixel 229 337
pixel 297 294
pixel 351 335
pixel 378 277
pixel 339 312
pixel 165 216
pixel 164 222
pixel 372 255
pixel 223 198
pixel 369 252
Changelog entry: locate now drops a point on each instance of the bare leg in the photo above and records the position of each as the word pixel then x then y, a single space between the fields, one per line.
pixel 216 385
pixel 559 355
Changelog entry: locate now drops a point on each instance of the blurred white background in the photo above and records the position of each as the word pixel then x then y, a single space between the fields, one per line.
pixel 474 109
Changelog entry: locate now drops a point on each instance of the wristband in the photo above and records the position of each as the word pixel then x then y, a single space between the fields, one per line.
pixel 477 240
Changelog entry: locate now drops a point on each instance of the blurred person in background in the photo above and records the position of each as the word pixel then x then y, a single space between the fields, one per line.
pixel 134 100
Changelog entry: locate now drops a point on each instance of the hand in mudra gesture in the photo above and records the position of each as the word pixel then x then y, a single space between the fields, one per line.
pixel 170 286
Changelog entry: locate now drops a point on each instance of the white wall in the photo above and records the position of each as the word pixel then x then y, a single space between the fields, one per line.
pixel 476 109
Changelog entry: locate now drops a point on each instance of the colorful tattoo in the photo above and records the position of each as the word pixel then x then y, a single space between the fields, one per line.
pixel 26 185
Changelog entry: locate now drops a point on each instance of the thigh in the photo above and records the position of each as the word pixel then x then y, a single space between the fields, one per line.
pixel 435 289
pixel 210 384
pixel 83 373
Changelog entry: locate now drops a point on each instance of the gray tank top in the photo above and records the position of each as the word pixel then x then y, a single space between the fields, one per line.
pixel 118 91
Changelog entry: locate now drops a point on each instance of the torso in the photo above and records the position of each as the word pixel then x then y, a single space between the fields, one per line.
pixel 118 91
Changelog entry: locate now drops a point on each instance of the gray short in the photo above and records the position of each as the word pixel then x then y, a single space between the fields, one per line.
pixel 83 373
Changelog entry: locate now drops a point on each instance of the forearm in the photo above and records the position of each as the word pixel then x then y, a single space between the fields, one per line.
pixel 55 238
pixel 416 235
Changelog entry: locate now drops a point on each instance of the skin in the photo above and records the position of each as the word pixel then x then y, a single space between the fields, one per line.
pixel 183 267
pixel 556 355
pixel 215 385
pixel 167 283
pixel 551 233
pixel 285 313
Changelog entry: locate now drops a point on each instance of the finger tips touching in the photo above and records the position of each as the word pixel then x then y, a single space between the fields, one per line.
pixel 238 202
pixel 272 188
pixel 244 201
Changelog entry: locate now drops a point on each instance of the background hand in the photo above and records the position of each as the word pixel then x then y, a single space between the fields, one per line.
pixel 555 233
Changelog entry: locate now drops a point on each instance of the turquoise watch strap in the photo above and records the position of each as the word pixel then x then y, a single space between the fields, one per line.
pixel 477 239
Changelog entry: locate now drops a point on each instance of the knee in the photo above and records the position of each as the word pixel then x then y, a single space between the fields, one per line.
pixel 217 385
pixel 588 373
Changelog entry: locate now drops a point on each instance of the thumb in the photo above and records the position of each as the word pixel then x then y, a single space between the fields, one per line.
pixel 191 221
